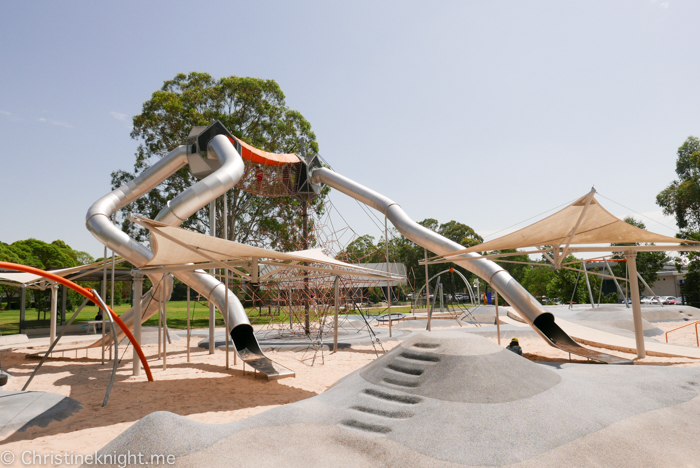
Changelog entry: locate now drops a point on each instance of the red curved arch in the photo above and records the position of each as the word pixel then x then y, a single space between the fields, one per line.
pixel 79 289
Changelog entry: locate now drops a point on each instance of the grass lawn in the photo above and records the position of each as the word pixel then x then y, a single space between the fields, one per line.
pixel 177 316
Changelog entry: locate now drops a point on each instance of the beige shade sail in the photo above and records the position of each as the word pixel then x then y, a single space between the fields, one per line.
pixel 596 226
pixel 168 246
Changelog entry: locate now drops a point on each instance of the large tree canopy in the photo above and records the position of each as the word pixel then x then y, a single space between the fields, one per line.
pixel 254 110
pixel 681 199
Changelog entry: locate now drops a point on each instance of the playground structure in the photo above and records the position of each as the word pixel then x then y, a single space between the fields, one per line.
pixel 222 162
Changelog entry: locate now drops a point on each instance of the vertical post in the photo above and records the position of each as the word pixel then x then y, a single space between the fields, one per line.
pixel 226 316
pixel 636 307
pixel 138 313
pixel 188 324
pixel 111 296
pixel 305 234
pixel 336 290
pixel 54 311
pixel 427 286
pixel 160 317
pixel 498 322
pixel 64 294
pixel 165 322
pixel 22 306
pixel 103 293
pixel 212 312
pixel 588 284
pixel 388 282
pixel 442 297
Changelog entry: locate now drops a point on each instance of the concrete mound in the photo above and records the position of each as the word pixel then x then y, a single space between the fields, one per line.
pixel 448 399
pixel 453 367
pixel 20 411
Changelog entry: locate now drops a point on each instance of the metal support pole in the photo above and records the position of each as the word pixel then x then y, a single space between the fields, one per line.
pixel 22 307
pixel 588 284
pixel 336 289
pixel 64 294
pixel 617 285
pixel 138 314
pixel 498 322
pixel 427 277
pixel 54 311
pixel 212 312
pixel 442 297
pixel 649 288
pixel 636 307
pixel 226 325
pixel 188 324
pixel 224 235
pixel 165 325
pixel 388 282
pixel 305 234
pixel 160 319
pixel 103 294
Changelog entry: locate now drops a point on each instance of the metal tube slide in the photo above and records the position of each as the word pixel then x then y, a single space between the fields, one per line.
pixel 518 297
pixel 177 210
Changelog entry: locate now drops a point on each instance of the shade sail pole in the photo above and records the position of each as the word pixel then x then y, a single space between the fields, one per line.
pixel 636 306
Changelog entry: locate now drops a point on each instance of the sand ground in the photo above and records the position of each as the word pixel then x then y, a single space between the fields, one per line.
pixel 203 389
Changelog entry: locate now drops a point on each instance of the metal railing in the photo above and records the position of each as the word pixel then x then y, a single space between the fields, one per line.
pixel 697 341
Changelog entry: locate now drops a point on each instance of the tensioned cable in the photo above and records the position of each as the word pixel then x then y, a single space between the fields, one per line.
pixel 636 212
pixel 364 208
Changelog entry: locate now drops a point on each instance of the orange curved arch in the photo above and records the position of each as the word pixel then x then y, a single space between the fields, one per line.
pixel 79 289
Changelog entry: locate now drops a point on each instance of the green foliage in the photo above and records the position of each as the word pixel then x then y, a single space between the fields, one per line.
pixel 516 270
pixel 401 250
pixel 681 199
pixel 537 279
pixel 254 110
pixel 567 285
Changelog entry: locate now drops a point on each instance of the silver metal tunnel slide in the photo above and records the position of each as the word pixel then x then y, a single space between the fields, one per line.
pixel 518 297
pixel 175 213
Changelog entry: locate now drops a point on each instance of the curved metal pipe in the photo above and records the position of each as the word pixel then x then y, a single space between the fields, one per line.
pixel 177 210
pixel 500 279
pixel 518 297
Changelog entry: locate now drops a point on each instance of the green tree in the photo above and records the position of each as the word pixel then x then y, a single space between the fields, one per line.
pixel 254 110
pixel 681 199
pixel 516 270
pixel 362 250
pixel 568 285
pixel 537 279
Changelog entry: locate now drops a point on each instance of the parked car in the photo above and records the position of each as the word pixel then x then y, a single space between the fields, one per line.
pixel 670 300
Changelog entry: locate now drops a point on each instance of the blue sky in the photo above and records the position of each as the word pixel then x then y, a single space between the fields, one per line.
pixel 483 112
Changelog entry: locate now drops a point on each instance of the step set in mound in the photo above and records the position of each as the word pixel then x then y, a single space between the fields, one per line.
pixel 451 398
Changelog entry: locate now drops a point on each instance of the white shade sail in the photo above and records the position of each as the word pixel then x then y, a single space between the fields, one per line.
pixel 590 224
pixel 175 246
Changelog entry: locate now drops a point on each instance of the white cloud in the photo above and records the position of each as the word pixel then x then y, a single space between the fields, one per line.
pixel 11 116
pixel 55 122
pixel 664 5
pixel 119 116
